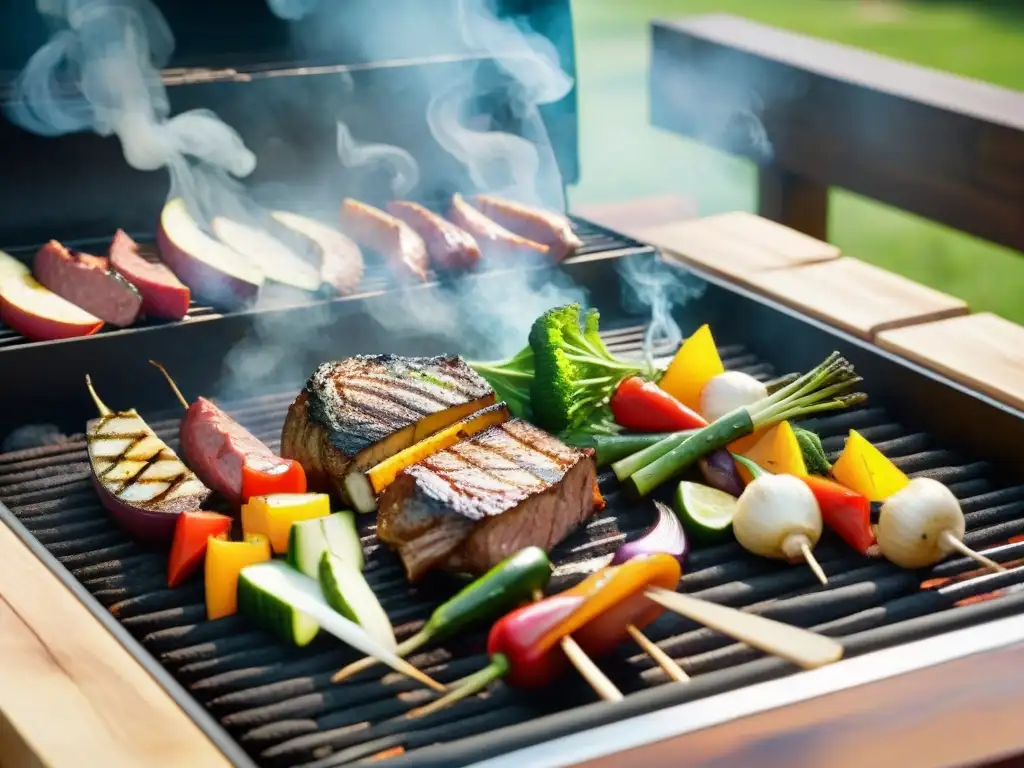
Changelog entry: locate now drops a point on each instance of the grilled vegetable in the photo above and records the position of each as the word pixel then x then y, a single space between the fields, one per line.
pixel 140 481
pixel 921 524
pixel 336 533
pixel 863 468
pixel 575 374
pixel 227 456
pixel 511 380
pixel 382 475
pixel 611 448
pixel 625 467
pixel 846 512
pixel 303 595
pixel 347 592
pixel 524 649
pixel 642 406
pixel 665 536
pixel 778 517
pixel 707 513
pixel 814 392
pixel 694 365
pixel 719 471
pixel 273 516
pixel 778 452
pixel 224 562
pixel 728 391
pixel 191 533
pixel 268 610
pixel 36 312
pixel 813 453
pixel 512 581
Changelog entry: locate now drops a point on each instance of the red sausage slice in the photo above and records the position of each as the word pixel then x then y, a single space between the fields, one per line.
pixel 494 239
pixel 87 282
pixel 163 294
pixel 449 246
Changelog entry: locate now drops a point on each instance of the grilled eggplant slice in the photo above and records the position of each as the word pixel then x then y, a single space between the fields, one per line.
pixel 140 481
pixel 354 414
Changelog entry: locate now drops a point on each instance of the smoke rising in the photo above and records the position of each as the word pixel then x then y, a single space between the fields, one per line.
pixel 292 10
pixel 399 164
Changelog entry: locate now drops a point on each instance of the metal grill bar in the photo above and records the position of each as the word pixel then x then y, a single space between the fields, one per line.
pixel 279 704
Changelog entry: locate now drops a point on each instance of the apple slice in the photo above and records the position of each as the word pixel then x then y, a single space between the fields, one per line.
pixel 341 260
pixel 213 271
pixel 278 262
pixel 35 312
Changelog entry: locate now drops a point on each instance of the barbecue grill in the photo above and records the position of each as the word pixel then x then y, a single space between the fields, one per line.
pixel 267 704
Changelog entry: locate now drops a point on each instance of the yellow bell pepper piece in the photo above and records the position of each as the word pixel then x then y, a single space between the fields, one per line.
pixel 863 468
pixel 273 515
pixel 695 364
pixel 777 452
pixel 224 561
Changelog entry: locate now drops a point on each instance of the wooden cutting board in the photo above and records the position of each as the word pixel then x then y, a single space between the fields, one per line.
pixel 983 351
pixel 70 695
pixel 855 296
pixel 737 245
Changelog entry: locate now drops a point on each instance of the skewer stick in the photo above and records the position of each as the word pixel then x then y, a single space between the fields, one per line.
pixel 174 387
pixel 812 561
pixel 947 539
pixel 100 405
pixel 666 662
pixel 602 686
pixel 801 646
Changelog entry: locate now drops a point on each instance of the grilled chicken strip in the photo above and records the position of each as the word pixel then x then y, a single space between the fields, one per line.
pixel 402 249
pixel 355 413
pixel 469 507
pixel 494 240
pixel 546 227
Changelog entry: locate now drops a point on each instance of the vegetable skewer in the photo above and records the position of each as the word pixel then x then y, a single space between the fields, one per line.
pixel 512 581
pixel 816 391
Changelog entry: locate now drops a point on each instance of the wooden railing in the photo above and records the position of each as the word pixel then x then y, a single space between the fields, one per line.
pixel 815 115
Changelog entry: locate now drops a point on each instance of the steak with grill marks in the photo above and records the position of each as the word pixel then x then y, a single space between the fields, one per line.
pixel 469 507
pixel 355 413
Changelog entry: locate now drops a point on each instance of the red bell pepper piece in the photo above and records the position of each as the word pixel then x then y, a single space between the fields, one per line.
pixel 846 512
pixel 643 406
pixel 191 532
pixel 263 478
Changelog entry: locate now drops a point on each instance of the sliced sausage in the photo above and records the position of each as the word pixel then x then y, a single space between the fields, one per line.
pixel 163 294
pixel 88 282
pixel 449 246
pixel 551 229
pixel 494 239
pixel 396 241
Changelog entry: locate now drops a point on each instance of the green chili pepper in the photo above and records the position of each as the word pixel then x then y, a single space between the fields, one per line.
pixel 512 581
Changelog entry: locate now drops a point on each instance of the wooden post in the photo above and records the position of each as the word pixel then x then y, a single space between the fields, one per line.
pixel 789 199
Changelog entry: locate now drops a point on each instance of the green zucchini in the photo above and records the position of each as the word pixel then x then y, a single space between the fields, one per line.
pixel 347 592
pixel 271 612
pixel 309 539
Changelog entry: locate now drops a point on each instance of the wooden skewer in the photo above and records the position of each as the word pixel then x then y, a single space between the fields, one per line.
pixel 812 561
pixel 952 542
pixel 666 662
pixel 801 646
pixel 604 687
pixel 174 387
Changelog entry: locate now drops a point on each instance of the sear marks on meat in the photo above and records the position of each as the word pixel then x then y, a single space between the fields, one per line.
pixel 355 413
pixel 469 507
pixel 545 227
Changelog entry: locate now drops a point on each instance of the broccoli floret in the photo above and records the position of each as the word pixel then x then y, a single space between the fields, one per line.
pixel 511 380
pixel 574 374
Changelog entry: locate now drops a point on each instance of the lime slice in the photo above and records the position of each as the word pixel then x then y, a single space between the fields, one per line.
pixel 706 512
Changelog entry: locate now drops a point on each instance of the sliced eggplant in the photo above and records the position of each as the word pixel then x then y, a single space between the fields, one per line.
pixel 278 262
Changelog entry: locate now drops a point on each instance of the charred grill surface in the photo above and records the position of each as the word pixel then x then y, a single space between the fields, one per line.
pixel 279 704
pixel 471 506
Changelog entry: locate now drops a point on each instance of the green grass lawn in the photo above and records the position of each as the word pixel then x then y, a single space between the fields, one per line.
pixel 623 157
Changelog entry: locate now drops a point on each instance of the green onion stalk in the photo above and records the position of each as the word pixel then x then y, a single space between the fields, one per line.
pixel 816 391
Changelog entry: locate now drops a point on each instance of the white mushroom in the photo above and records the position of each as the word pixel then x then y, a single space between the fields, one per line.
pixel 728 391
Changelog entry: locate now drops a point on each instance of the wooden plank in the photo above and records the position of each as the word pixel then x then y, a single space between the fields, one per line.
pixel 738 244
pixel 896 721
pixel 938 145
pixel 634 217
pixel 983 351
pixel 70 692
pixel 855 296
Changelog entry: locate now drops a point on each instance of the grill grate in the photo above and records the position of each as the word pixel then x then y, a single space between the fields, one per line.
pixel 279 704
pixel 595 239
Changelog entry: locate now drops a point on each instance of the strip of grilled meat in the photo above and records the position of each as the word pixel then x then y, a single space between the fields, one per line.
pixel 355 413
pixel 469 507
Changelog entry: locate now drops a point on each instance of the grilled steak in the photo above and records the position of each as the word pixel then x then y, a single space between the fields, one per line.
pixel 355 413
pixel 469 507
